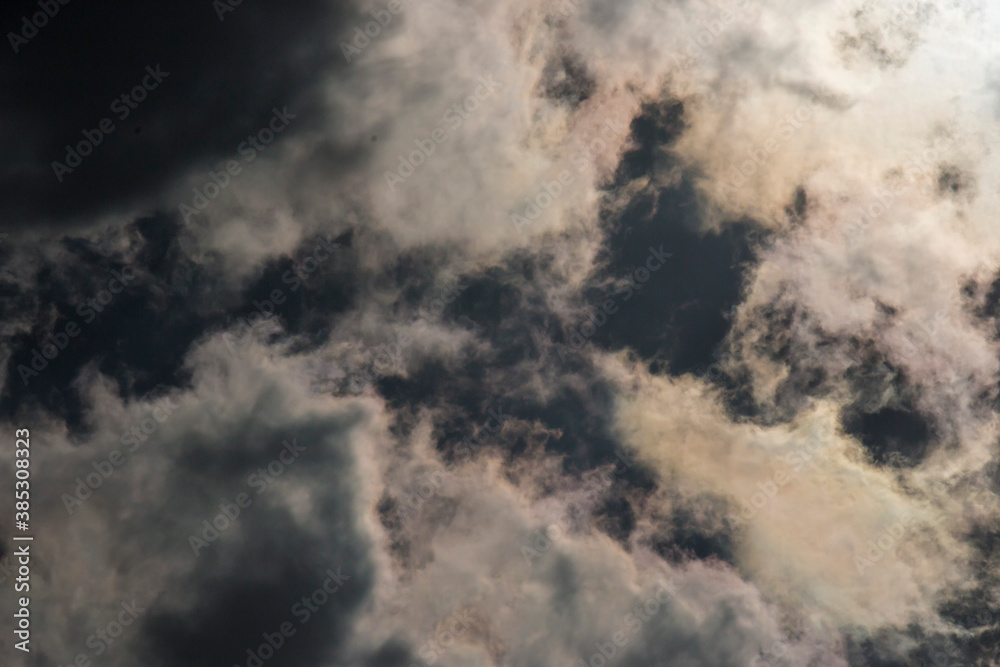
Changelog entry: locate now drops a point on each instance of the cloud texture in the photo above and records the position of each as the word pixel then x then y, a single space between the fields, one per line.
pixel 571 332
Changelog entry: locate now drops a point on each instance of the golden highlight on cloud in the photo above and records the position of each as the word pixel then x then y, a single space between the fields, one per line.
pixel 576 332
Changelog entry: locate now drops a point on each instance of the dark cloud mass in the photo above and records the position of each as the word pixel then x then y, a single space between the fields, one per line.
pixel 220 81
pixel 574 332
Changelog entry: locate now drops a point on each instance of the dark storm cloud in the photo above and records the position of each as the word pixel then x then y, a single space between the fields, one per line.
pixel 225 519
pixel 138 333
pixel 306 293
pixel 248 586
pixel 573 420
pixel 679 314
pixel 68 333
pixel 521 330
pixel 224 78
pixel 706 326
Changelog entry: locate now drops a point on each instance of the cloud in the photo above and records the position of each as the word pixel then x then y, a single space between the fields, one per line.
pixel 131 539
pixel 805 388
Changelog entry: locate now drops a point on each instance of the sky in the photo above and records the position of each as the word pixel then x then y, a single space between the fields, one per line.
pixel 501 333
